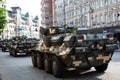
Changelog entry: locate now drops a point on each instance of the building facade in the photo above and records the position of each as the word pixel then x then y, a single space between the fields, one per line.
pixel 88 13
pixel 2 3
pixel 47 13
pixel 53 11
pixel 21 24
pixel 59 12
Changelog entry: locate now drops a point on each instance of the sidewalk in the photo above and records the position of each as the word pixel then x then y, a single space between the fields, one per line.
pixel 118 50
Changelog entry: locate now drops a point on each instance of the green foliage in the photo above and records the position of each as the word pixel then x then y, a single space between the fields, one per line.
pixel 71 29
pixel 3 20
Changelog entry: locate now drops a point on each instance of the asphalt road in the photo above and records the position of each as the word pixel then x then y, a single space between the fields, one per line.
pixel 20 68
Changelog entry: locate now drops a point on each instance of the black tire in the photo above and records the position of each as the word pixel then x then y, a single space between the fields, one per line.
pixel 101 68
pixel 10 52
pixel 47 64
pixel 34 59
pixel 3 49
pixel 57 67
pixel 40 61
pixel 14 53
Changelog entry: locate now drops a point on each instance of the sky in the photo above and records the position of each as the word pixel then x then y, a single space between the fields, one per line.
pixel 31 6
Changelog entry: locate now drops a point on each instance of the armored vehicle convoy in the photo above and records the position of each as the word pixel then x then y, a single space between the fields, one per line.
pixel 30 43
pixel 61 49
pixel 21 45
pixel 5 44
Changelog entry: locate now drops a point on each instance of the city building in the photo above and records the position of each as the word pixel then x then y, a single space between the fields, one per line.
pixel 9 30
pixel 47 13
pixel 88 13
pixel 2 3
pixel 21 24
pixel 53 11
pixel 59 12
pixel 105 13
pixel 34 30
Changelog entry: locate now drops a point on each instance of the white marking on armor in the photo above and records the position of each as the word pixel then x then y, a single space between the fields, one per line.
pixel 80 40
pixel 90 58
pixel 105 58
pixel 73 57
pixel 52 31
pixel 92 46
pixel 84 50
pixel 111 38
pixel 65 51
pixel 52 48
pixel 64 56
pixel 77 63
pixel 100 47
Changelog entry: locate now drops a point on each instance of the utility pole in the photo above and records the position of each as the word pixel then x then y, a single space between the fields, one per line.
pixel 81 15
pixel 90 11
pixel 64 13
pixel 106 1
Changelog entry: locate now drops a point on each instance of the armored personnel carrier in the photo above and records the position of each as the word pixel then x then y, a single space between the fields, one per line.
pixel 21 45
pixel 30 43
pixel 5 44
pixel 61 49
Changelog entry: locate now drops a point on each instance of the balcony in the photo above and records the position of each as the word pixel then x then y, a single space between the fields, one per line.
pixel 43 15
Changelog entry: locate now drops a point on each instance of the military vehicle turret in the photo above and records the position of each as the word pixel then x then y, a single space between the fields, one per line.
pixel 61 49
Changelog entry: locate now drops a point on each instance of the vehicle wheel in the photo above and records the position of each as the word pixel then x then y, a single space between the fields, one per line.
pixel 47 64
pixel 40 62
pixel 3 49
pixel 34 59
pixel 14 53
pixel 57 67
pixel 10 52
pixel 101 68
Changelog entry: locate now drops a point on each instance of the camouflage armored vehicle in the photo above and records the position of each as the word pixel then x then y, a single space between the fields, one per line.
pixel 61 49
pixel 30 43
pixel 5 44
pixel 21 45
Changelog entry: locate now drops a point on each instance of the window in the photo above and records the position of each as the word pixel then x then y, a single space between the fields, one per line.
pixel 113 17
pixel 118 14
pixel 101 18
pixel 47 24
pixel 106 18
pixel 46 18
pixel 91 19
pixel 96 20
pixel 46 11
pixel 46 5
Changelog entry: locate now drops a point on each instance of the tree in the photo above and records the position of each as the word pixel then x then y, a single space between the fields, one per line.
pixel 3 20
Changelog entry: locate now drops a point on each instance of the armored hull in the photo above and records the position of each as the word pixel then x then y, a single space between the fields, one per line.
pixel 59 51
pixel 21 45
